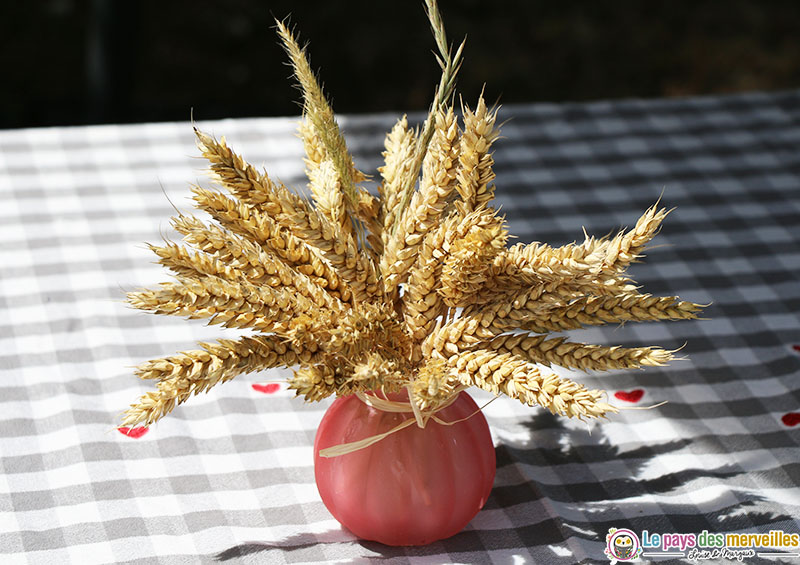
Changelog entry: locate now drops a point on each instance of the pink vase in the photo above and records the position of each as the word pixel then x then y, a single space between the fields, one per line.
pixel 417 485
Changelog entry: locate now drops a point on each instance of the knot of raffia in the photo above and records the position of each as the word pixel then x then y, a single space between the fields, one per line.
pixel 421 418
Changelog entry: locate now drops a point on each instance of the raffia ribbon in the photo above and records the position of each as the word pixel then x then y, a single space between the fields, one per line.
pixel 421 418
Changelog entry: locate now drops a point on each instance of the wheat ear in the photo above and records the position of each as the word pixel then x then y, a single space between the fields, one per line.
pixel 450 63
pixel 571 355
pixel 400 144
pixel 252 261
pixel 192 372
pixel 508 373
pixel 323 120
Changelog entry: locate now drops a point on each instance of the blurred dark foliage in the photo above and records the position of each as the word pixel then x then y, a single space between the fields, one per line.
pixel 95 61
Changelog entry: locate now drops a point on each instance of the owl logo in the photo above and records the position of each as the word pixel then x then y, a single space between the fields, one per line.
pixel 622 545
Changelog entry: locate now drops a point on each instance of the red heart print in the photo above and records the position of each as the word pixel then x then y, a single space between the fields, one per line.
pixel 634 395
pixel 791 419
pixel 796 348
pixel 267 388
pixel 135 433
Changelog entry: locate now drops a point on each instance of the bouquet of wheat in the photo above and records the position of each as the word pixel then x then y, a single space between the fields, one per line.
pixel 395 304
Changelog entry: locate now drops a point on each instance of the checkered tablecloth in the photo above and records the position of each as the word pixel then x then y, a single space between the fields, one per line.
pixel 228 476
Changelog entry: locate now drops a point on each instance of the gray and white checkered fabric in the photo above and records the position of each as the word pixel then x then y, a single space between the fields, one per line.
pixel 228 477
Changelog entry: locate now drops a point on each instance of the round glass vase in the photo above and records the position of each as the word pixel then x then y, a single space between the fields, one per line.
pixel 415 486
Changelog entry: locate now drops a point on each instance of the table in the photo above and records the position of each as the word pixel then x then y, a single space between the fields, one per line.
pixel 228 477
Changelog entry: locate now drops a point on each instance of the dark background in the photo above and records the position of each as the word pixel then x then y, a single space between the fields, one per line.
pixel 83 61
